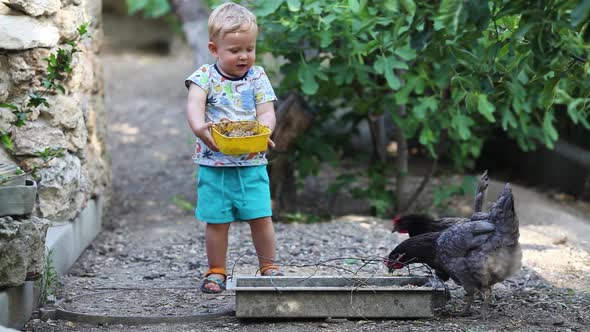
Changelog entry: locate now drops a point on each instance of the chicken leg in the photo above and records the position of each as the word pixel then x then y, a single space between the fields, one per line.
pixel 487 295
pixel 469 297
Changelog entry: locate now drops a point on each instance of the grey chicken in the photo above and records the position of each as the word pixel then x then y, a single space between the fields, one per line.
pixel 476 254
pixel 416 224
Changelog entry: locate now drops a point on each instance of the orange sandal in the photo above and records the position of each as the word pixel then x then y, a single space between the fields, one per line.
pixel 275 272
pixel 210 279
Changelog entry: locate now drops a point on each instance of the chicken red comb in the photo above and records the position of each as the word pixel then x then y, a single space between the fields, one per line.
pixel 396 222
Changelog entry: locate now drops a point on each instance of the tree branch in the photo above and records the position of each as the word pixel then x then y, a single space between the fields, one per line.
pixel 402 163
pixel 426 178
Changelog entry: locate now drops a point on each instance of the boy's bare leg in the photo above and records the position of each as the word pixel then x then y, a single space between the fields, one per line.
pixel 263 236
pixel 216 236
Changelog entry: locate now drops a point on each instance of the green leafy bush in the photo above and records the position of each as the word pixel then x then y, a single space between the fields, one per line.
pixel 149 8
pixel 446 72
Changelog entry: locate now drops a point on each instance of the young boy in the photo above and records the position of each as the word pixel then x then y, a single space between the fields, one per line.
pixel 231 187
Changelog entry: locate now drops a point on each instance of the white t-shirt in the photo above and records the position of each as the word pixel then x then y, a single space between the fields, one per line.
pixel 230 99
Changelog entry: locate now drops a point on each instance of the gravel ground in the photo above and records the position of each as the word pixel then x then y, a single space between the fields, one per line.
pixel 153 243
pixel 146 259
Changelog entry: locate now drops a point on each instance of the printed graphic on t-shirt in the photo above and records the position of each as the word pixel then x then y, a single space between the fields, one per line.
pixel 233 100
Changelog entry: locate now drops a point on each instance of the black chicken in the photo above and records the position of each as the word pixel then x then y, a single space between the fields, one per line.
pixel 415 224
pixel 421 249
pixel 475 254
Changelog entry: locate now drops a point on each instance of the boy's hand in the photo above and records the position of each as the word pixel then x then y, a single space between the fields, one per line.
pixel 204 133
pixel 271 144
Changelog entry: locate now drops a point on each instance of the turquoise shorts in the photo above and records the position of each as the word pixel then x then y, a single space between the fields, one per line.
pixel 226 194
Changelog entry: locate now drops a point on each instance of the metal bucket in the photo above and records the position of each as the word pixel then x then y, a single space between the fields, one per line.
pixel 18 200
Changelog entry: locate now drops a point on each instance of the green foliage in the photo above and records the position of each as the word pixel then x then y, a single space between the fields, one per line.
pixel 48 283
pixel 183 203
pixel 46 155
pixel 9 174
pixel 149 8
pixel 457 67
pixel 303 217
pixel 314 147
pixel 153 9
pixel 11 106
pixel 58 70
pixel 443 194
pixel 6 141
pixel 368 184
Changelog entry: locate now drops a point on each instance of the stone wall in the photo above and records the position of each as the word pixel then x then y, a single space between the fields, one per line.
pixel 22 247
pixel 30 30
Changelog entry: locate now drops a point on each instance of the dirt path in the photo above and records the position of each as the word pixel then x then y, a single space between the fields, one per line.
pixel 155 244
pixel 555 238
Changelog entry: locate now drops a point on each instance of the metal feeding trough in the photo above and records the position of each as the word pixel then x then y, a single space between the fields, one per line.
pixel 326 296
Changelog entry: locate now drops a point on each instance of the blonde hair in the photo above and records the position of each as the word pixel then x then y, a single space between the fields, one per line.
pixel 230 17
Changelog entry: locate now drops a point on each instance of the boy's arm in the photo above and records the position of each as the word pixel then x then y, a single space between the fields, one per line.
pixel 195 109
pixel 265 114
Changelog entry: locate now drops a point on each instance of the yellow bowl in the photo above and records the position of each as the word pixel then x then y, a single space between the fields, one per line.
pixel 256 141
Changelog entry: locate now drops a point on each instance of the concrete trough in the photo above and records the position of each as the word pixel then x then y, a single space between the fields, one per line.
pixel 327 296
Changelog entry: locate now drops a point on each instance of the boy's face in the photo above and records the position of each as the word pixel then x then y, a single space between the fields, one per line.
pixel 235 52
